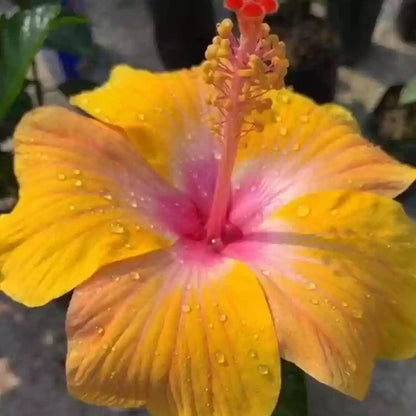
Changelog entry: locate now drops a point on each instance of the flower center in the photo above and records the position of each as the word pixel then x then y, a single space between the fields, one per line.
pixel 241 71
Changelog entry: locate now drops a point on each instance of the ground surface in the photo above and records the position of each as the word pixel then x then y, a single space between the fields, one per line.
pixel 32 342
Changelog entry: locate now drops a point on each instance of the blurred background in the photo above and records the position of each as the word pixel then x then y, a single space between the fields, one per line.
pixel 359 53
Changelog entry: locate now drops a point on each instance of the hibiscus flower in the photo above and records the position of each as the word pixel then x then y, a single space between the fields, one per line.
pixel 211 222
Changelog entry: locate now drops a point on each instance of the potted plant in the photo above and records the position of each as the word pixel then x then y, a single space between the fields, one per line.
pixel 312 49
pixel 406 20
pixel 183 29
pixel 354 21
pixel 393 123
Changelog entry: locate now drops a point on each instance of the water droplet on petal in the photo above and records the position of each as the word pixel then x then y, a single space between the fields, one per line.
pixel 134 204
pixel 344 304
pixel 61 176
pixel 311 286
pixel 266 273
pixel 77 172
pixel 72 208
pixel 100 330
pixel 186 308
pixel 108 197
pixel 140 117
pixel 315 302
pixel 135 275
pixel 223 317
pixel 263 369
pixel 352 365
pixel 117 228
pixel 357 313
pixel 78 183
pixel 283 131
pixel 296 147
pixel 256 337
pixel 252 354
pixel 303 211
pixel 220 357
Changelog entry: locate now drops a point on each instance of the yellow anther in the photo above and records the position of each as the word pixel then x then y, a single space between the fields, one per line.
pixel 274 39
pixel 246 73
pixel 265 30
pixel 216 40
pixel 225 28
pixel 206 67
pixel 223 52
pixel 258 125
pixel 211 52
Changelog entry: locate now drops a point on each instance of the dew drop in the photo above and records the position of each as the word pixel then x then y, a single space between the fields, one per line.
pixel 61 176
pixel 352 365
pixel 117 228
pixel 252 353
pixel 220 357
pixel 278 119
pixel 357 313
pixel 223 317
pixel 77 172
pixel 266 273
pixel 315 302
pixel 135 275
pixel 210 325
pixel 344 304
pixel 256 337
pixel 263 369
pixel 108 197
pixel 303 211
pixel 140 117
pixel 311 286
pixel 296 147
pixel 368 295
pixel 72 208
pixel 105 346
pixel 100 330
pixel 283 131
pixel 134 204
pixel 186 308
pixel 78 183
pixel 285 99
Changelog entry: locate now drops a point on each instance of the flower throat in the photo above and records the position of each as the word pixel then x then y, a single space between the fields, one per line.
pixel 241 71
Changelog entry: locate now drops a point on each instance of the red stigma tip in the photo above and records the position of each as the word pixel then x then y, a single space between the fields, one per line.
pixel 252 8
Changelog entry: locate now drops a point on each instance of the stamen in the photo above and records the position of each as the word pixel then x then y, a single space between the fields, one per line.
pixel 241 71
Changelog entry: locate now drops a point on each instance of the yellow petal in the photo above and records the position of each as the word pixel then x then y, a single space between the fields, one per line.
pixel 318 148
pixel 182 336
pixel 157 111
pixel 339 272
pixel 86 199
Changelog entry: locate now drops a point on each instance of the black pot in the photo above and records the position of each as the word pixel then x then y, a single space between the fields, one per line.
pixel 313 52
pixel 354 21
pixel 183 30
pixel 406 20
pixel 393 126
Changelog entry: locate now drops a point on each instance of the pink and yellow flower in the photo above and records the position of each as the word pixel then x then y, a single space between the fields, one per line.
pixel 211 222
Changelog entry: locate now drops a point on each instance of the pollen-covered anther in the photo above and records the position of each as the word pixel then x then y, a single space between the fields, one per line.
pixel 242 71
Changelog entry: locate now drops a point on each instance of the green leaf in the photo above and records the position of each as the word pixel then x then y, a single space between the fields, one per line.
pixel 76 86
pixel 408 94
pixel 293 399
pixel 72 35
pixel 21 37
